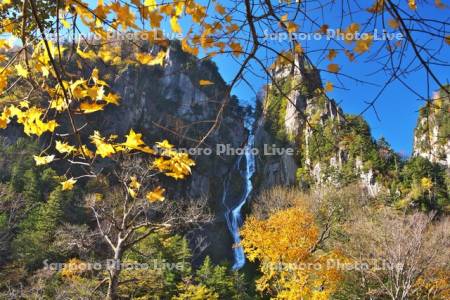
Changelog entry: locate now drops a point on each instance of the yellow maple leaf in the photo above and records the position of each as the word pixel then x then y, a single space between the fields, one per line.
pixel 4 2
pixel 125 17
pixel 24 104
pixel 155 19
pixel 377 7
pixel 21 71
pixel 132 192
pixel 236 48
pixel 333 68
pixel 156 195
pixel 197 12
pixel 291 27
pixel 88 108
pixel 63 147
pixel 43 160
pixel 135 184
pixel 87 55
pixel 331 54
pixel 164 145
pixel 447 39
pixel 412 4
pixel 104 149
pixel 3 81
pixel 166 9
pixel 96 79
pixel 133 187
pixel 78 88
pixel 175 25
pixel 3 122
pixel 179 7
pixel 85 150
pixel 203 82
pixel 5 44
pixel 328 86
pixel 59 104
pixel 95 92
pixel 112 99
pixel 350 55
pixel 45 71
pixel 32 122
pixel 298 49
pixel 144 58
pixel 146 149
pixel 220 9
pixel 65 23
pixel 134 140
pixel 150 60
pixel 187 48
pixel 150 4
pixel 107 56
pixel 50 126
pixel 68 184
pixel 393 23
pixel 363 45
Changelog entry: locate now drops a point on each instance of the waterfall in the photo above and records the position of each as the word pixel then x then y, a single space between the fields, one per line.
pixel 234 216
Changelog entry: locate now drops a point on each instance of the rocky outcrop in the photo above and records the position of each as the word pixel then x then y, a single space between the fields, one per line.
pixel 296 113
pixel 169 103
pixel 272 170
pixel 432 133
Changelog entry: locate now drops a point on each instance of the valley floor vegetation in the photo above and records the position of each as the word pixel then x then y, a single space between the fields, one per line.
pixel 324 244
pixel 97 203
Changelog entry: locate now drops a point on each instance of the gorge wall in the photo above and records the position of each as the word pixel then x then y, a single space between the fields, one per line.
pixel 432 133
pixel 329 145
pixel 168 102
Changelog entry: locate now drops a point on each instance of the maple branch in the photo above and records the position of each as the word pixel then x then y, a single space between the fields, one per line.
pixel 57 74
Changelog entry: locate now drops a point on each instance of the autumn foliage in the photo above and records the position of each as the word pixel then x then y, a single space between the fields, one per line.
pixel 285 247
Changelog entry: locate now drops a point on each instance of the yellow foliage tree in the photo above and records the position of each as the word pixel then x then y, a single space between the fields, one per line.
pixel 286 248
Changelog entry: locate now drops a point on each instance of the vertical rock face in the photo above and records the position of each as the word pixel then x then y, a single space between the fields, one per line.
pixel 169 103
pixel 296 113
pixel 432 133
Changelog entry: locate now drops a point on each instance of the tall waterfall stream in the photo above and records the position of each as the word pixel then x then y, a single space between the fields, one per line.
pixel 233 215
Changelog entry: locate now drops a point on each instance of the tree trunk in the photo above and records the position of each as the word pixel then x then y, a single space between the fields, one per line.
pixel 112 285
pixel 114 273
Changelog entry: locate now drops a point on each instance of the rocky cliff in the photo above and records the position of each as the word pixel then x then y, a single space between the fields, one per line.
pixel 168 102
pixel 331 147
pixel 432 133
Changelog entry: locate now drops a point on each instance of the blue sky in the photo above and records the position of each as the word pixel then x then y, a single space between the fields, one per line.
pixel 397 107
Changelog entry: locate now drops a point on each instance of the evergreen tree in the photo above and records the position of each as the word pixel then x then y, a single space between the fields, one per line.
pixel 425 184
pixel 31 246
pixel 31 187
